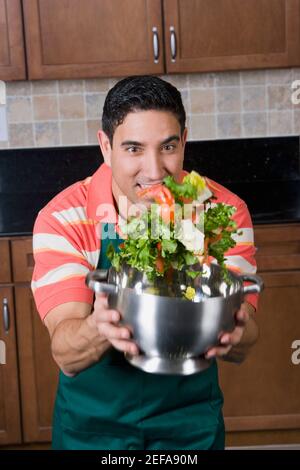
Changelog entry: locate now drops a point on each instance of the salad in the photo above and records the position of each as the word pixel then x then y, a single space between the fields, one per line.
pixel 174 234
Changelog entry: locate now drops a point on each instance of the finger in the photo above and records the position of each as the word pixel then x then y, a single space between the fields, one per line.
pixel 125 346
pixel 107 316
pixel 218 351
pixel 101 301
pixel 232 338
pixel 99 295
pixel 241 317
pixel 113 332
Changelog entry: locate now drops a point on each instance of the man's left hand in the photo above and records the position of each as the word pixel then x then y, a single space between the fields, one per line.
pixel 242 337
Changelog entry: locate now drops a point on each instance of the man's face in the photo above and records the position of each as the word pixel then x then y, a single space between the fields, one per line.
pixel 147 146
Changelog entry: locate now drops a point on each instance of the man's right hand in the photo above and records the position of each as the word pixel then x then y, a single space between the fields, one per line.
pixel 80 336
pixel 107 322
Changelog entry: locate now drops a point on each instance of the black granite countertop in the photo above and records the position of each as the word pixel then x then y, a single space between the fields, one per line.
pixel 263 172
pixel 270 202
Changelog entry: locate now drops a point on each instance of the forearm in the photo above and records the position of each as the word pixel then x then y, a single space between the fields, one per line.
pixel 77 344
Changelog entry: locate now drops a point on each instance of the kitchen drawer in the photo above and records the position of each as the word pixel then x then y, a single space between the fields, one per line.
pixel 22 259
pixel 278 247
pixel 5 270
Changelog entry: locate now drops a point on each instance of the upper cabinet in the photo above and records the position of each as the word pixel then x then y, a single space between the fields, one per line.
pixel 94 38
pixel 72 39
pixel 212 35
pixel 12 55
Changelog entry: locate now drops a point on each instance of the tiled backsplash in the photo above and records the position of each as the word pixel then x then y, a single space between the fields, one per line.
pixel 218 105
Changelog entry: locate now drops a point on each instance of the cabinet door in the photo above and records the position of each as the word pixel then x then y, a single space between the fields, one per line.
pixel 38 371
pixel 12 55
pixel 10 425
pixel 202 35
pixel 262 394
pixel 91 39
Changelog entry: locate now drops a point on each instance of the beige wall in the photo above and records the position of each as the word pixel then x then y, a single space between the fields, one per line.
pixel 218 105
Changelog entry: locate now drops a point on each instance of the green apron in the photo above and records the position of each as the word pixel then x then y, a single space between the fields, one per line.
pixel 115 406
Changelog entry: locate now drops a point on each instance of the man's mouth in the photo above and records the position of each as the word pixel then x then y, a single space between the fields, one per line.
pixel 147 185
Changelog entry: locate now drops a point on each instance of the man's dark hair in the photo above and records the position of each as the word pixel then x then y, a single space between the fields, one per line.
pixel 136 93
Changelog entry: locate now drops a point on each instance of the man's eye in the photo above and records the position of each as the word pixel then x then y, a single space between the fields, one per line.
pixel 169 147
pixel 133 149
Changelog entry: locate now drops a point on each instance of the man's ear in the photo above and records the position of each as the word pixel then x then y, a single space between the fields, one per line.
pixel 105 146
pixel 184 136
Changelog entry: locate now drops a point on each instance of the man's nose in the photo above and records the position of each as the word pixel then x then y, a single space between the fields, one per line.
pixel 154 166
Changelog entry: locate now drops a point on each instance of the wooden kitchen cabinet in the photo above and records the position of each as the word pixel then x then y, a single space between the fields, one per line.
pixel 91 39
pixel 262 403
pixel 113 38
pixel 29 379
pixel 12 55
pixel 216 35
pixel 117 37
pixel 261 395
pixel 38 372
pixel 10 418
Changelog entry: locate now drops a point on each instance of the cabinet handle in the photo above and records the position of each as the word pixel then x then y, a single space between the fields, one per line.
pixel 155 45
pixel 173 44
pixel 6 317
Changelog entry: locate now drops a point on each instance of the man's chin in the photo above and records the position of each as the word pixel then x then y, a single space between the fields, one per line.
pixel 144 202
pixel 133 205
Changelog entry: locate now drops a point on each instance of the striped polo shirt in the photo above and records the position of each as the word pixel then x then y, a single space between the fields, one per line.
pixel 67 244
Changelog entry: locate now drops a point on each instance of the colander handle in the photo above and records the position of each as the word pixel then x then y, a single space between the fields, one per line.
pixel 257 286
pixel 94 281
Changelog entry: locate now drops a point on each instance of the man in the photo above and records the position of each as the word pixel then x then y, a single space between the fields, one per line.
pixel 102 401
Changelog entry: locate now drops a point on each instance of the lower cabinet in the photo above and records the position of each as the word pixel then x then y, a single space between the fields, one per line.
pixel 10 416
pixel 38 372
pixel 28 376
pixel 261 395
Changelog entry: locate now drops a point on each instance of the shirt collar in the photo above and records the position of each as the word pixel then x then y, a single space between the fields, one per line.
pixel 100 201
